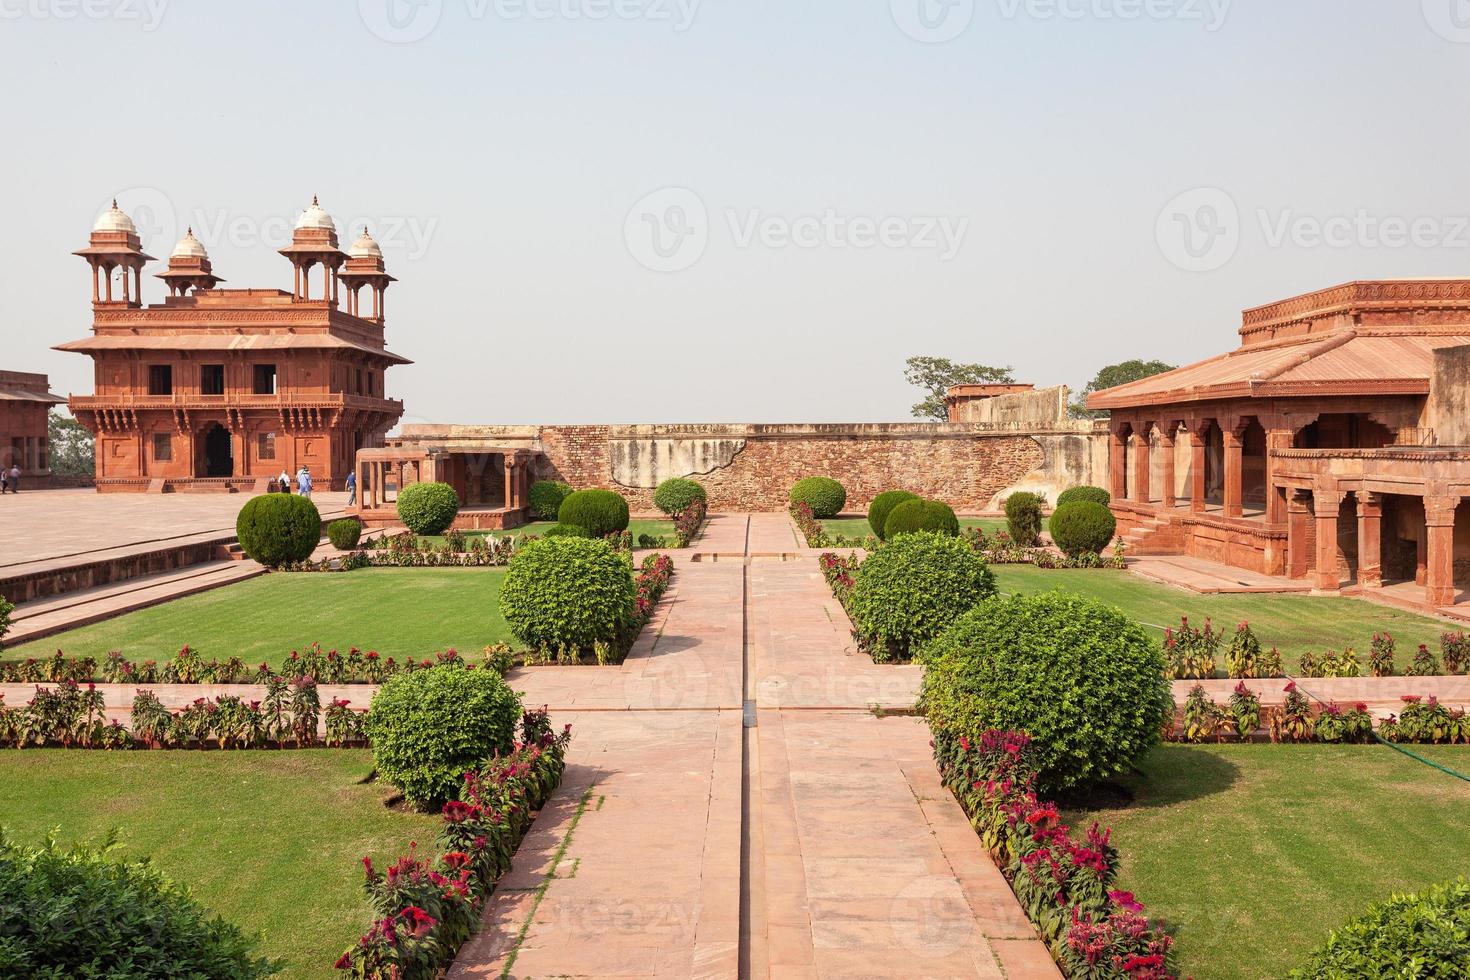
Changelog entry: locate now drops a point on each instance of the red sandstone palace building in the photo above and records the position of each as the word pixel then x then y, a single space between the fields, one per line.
pixel 1333 446
pixel 222 389
pixel 25 405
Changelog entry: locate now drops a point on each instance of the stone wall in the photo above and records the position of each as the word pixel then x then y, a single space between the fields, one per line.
pixel 752 467
pixel 1448 409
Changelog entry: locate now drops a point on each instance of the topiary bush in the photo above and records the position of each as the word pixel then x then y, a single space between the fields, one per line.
pixel 84 911
pixel 1082 527
pixel 546 497
pixel 825 496
pixel 908 591
pixel 279 529
pixel 566 531
pixel 567 592
pixel 601 512
pixel 1096 495
pixel 1086 683
pixel 428 508
pixel 429 727
pixel 1426 936
pixel 675 496
pixel 921 515
pixel 1023 518
pixel 345 534
pixel 883 505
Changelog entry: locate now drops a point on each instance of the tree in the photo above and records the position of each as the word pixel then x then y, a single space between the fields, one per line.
pixel 71 446
pixel 936 375
pixel 1110 377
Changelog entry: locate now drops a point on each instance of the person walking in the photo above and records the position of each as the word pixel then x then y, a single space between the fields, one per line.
pixel 4 479
pixel 14 485
pixel 303 481
pixel 351 488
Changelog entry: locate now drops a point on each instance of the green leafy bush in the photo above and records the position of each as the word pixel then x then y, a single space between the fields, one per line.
pixel 567 592
pixel 825 496
pixel 1082 527
pixel 1084 682
pixel 1096 495
pixel 1023 518
pixel 883 505
pixel 908 591
pixel 429 727
pixel 83 911
pixel 1425 936
pixel 566 531
pixel 675 496
pixel 546 497
pixel 279 529
pixel 921 515
pixel 602 512
pixel 345 534
pixel 6 608
pixel 428 508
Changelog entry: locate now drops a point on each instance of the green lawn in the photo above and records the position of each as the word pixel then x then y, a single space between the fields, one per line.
pixel 657 529
pixel 273 841
pixel 1293 623
pixel 1253 853
pixel 857 527
pixel 397 612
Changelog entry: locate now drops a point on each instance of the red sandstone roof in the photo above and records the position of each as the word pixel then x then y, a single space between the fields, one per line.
pixel 227 341
pixel 26 395
pixel 1347 362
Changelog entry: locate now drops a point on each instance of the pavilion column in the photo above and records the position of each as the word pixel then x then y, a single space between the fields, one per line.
pixel 1370 540
pixel 1118 462
pixel 1233 439
pixel 1198 437
pixel 1327 504
pixel 1166 449
pixel 1276 439
pixel 509 476
pixel 523 494
pixel 1141 471
pixel 1298 523
pixel 1439 572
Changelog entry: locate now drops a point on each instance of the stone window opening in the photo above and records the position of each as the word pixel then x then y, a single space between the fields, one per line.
pixel 211 379
pixel 265 379
pixel 163 447
pixel 265 445
pixel 160 379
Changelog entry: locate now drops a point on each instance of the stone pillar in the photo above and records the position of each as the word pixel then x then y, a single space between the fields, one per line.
pixel 1141 471
pixel 1327 504
pixel 509 466
pixel 1370 540
pixel 1117 462
pixel 1233 469
pixel 1276 439
pixel 1297 522
pixel 1166 449
pixel 1439 572
pixel 1198 435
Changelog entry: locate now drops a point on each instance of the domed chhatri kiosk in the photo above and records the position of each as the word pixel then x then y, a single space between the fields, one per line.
pixel 223 389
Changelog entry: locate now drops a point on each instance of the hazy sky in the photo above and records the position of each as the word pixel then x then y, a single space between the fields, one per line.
pixel 743 210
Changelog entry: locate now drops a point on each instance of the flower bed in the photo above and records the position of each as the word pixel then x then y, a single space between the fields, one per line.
pixel 1000 549
pixel 427 908
pixel 1193 653
pixel 1063 883
pixel 817 537
pixel 1421 720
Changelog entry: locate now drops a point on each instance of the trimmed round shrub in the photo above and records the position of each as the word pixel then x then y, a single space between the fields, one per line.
pixel 84 911
pixel 921 515
pixel 1081 527
pixel 1023 518
pixel 429 727
pixel 546 497
pixel 1096 495
pixel 428 508
pixel 1085 682
pixel 1424 936
pixel 677 495
pixel 601 512
pixel 278 529
pixel 345 534
pixel 566 531
pixel 883 505
pixel 567 592
pixel 824 495
pixel 908 591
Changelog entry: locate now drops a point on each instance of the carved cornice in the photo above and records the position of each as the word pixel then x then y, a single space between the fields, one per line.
pixel 1359 298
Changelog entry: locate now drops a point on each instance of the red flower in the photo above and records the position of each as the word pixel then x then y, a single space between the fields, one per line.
pixel 345 962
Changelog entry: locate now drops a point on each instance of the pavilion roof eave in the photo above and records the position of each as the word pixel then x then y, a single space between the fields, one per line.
pixel 1265 389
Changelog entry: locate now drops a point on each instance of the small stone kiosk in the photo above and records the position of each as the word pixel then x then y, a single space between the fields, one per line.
pixel 493 482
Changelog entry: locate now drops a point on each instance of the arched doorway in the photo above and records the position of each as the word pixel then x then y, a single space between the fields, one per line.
pixel 219 452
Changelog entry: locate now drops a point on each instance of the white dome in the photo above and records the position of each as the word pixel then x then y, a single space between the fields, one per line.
pixel 365 248
pixel 315 217
pixel 113 219
pixel 189 247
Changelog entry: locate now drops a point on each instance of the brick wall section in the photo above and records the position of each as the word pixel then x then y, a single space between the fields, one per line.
pixel 963 468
